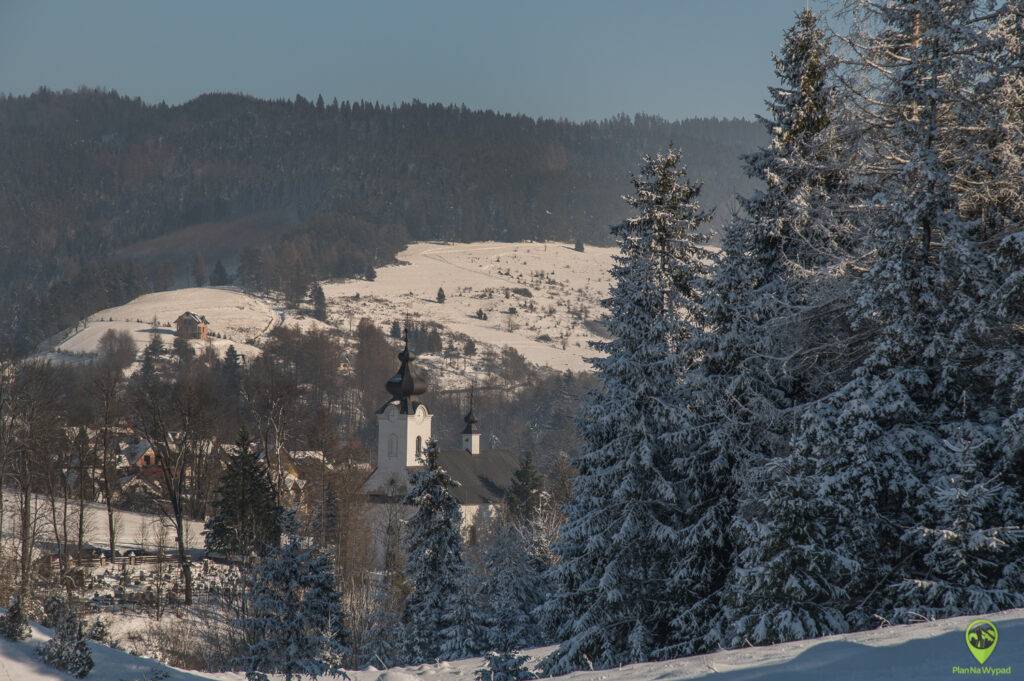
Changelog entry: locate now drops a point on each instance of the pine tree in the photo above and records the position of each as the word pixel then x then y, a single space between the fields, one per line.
pixel 246 517
pixel 199 277
pixel 295 619
pixel 524 494
pixel 440 295
pixel 14 625
pixel 67 649
pixel 384 626
pixel 434 567
pixel 219 276
pixel 319 303
pixel 513 589
pixel 877 442
pixel 615 596
pixel 465 633
pixel 971 556
pixel 771 270
pixel 505 666
pixel 396 330
pixel 231 372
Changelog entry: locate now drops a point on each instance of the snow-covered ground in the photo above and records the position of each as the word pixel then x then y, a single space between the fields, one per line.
pixel 919 652
pixel 237 317
pixel 132 529
pixel 555 290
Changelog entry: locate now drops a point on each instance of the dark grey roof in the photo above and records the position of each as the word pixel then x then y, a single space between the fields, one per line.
pixel 483 478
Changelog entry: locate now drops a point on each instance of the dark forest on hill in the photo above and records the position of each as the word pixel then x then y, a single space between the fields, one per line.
pixel 104 197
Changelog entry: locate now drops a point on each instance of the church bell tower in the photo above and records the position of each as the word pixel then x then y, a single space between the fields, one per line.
pixel 403 427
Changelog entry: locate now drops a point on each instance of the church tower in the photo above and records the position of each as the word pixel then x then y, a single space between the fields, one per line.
pixel 471 434
pixel 403 428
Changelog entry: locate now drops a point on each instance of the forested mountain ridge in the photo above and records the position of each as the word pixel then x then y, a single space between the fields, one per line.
pixel 104 197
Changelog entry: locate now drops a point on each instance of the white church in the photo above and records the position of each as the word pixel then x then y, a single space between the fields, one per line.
pixel 404 426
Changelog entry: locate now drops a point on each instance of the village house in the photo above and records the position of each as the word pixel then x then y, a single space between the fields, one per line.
pixel 191 326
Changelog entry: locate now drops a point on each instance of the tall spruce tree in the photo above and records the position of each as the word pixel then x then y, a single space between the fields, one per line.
pixel 319 302
pixel 246 516
pixel 878 442
pixel 513 588
pixel 614 589
pixel 434 562
pixel 772 274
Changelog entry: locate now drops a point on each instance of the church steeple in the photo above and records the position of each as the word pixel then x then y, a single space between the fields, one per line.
pixel 406 385
pixel 471 434
pixel 403 429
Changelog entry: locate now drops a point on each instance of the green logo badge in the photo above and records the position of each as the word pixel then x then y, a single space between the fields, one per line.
pixel 982 637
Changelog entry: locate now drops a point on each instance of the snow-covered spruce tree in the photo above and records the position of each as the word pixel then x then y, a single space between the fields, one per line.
pixel 878 441
pixel 67 648
pixel 613 591
pixel 383 637
pixel 504 666
pixel 434 564
pixel 971 566
pixel 465 632
pixel 246 517
pixel 513 588
pixel 14 625
pixel 295 619
pixel 771 274
pixel 1002 206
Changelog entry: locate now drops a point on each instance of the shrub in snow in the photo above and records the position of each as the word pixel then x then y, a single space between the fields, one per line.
pixel 54 609
pixel 14 625
pixel 67 649
pixel 99 631
pixel 504 666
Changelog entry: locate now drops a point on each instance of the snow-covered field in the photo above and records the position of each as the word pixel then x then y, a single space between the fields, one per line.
pixel 543 299
pixel 555 291
pixel 238 317
pixel 132 529
pixel 919 652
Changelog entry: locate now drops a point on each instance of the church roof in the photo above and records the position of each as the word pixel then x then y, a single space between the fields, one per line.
pixel 483 478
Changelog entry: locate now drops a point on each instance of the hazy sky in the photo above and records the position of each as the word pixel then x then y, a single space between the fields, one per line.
pixel 560 58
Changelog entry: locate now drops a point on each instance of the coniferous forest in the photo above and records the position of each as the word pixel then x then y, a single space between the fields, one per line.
pixel 805 420
pixel 819 432
pixel 104 197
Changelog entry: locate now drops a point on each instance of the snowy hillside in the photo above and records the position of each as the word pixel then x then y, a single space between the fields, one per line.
pixel 235 317
pixel 919 652
pixel 543 299
pixel 554 290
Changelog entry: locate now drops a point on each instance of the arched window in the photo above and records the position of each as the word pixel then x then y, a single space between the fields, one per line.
pixel 419 444
pixel 393 447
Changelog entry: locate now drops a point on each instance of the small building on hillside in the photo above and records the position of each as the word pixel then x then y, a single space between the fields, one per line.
pixel 191 326
pixel 403 430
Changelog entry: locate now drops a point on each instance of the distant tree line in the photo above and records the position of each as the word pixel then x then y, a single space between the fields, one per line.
pixel 105 197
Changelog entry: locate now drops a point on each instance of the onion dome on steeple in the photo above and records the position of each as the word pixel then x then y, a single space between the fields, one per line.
pixel 405 384
pixel 470 420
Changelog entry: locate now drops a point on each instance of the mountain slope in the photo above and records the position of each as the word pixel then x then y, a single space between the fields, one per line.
pixel 103 197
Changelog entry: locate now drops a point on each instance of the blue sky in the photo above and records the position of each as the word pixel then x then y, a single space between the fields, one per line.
pixel 576 59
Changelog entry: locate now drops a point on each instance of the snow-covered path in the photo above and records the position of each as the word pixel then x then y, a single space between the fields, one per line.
pixel 919 652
